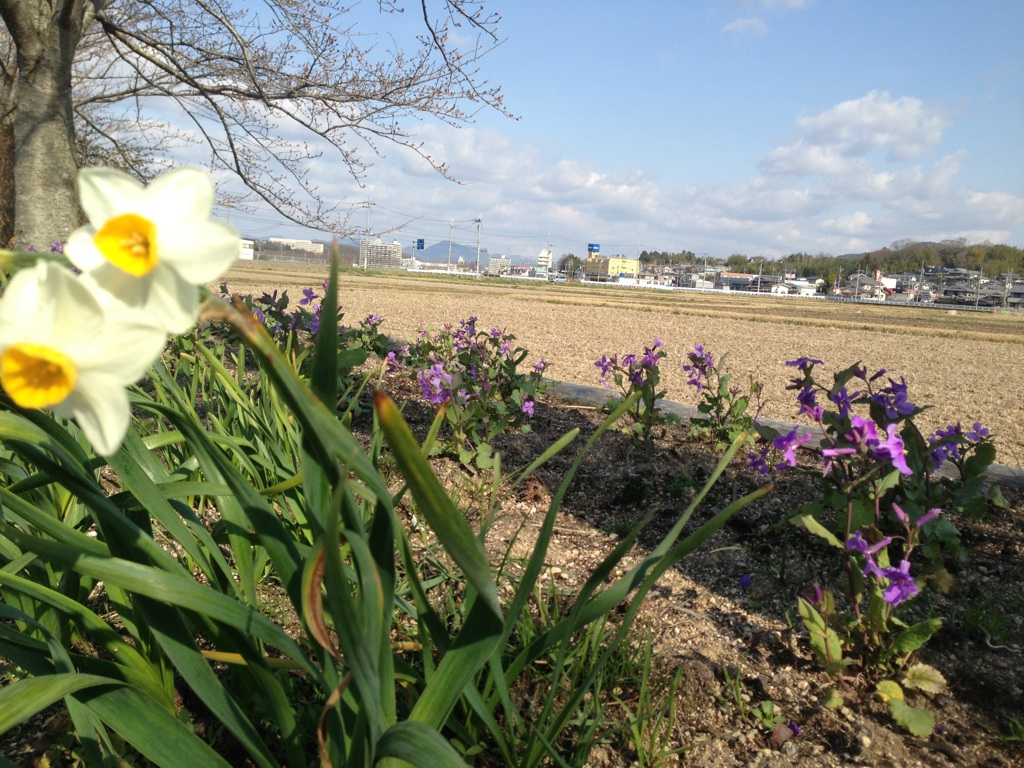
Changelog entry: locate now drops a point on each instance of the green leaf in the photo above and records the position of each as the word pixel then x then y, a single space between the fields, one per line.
pixel 442 515
pixel 324 378
pixel 23 698
pixel 833 700
pixel 918 722
pixel 925 678
pixel 889 690
pixel 157 734
pixel 811 525
pixel 419 745
pixel 915 636
pixel 823 639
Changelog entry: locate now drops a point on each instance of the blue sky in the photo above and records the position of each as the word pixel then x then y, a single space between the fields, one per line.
pixel 762 127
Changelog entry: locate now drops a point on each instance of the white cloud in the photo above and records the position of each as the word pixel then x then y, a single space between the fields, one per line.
pixel 835 185
pixel 749 26
pixel 903 127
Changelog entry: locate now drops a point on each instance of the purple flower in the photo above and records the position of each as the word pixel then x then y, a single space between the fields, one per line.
pixel 977 433
pixel 434 384
pixel 527 407
pixel 605 364
pixel 807 400
pixel 900 514
pixel 758 460
pixel 803 363
pixel 541 365
pixel 701 361
pixel 745 580
pixel 308 296
pixel 927 517
pixel 505 348
pixel 863 432
pixel 901 585
pixel 372 321
pixel 893 450
pixel 842 399
pixel 788 444
pixel 856 543
pixel 392 361
pixel 651 356
pixel 816 598
pixel 945 445
pixel 893 400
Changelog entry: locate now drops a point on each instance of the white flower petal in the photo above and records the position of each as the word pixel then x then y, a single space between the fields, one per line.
pixel 81 249
pixel 130 344
pixel 173 301
pixel 47 304
pixel 183 194
pixel 100 406
pixel 200 253
pixel 106 193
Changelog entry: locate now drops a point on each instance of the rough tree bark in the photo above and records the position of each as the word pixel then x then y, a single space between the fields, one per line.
pixel 46 36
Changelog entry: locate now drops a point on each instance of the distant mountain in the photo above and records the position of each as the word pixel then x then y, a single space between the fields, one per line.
pixel 438 253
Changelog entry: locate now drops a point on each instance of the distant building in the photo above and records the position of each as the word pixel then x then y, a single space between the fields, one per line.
pixel 299 245
pixel 246 250
pixel 376 254
pixel 610 268
pixel 499 265
pixel 545 260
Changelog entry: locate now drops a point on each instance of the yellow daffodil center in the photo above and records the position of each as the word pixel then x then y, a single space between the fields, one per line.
pixel 129 243
pixel 36 376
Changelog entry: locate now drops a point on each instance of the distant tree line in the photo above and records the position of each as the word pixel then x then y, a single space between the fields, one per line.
pixel 663 258
pixel 901 256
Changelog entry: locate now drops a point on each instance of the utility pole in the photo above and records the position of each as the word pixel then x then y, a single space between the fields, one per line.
pixel 451 229
pixel 478 219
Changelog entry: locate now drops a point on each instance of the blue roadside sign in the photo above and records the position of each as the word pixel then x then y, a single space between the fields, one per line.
pixel 419 244
pixel 593 247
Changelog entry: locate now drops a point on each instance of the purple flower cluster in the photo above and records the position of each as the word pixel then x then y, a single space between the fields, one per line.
pixel 893 401
pixel 863 438
pixel 901 586
pixel 948 443
pixel 785 444
pixel 699 368
pixel 634 367
pixel 435 384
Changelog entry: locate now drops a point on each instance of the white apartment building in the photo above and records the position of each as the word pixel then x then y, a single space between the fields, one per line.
pixel 376 254
pixel 299 245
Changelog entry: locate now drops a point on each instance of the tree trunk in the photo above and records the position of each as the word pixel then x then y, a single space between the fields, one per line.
pixel 6 180
pixel 46 35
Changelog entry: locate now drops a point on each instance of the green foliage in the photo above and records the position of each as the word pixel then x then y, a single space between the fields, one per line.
pixel 266 498
pixel 726 411
pixel 474 378
pixel 638 378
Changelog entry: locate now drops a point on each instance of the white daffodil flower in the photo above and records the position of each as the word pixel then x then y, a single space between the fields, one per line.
pixel 151 247
pixel 62 349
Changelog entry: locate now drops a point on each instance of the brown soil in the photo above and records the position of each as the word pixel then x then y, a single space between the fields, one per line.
pixel 961 365
pixel 964 366
pixel 701 619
